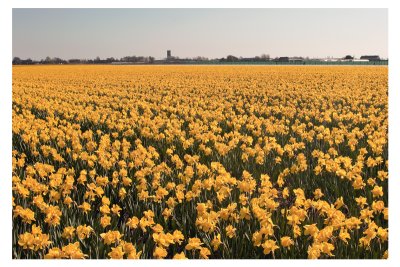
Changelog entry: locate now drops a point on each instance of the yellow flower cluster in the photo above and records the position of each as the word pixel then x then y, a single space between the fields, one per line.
pixel 129 162
pixel 35 240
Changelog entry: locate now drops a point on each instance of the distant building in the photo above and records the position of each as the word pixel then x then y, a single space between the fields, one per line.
pixel 371 58
pixel 296 59
pixel 283 59
pixel 169 54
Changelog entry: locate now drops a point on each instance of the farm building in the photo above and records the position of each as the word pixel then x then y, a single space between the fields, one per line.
pixel 371 58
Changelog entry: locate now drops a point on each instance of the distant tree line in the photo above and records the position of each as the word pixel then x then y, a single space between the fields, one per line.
pixel 177 60
pixel 232 58
pixel 135 59
pixel 47 60
pixel 97 60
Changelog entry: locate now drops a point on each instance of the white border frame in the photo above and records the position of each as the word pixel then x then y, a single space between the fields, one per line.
pixel 6 102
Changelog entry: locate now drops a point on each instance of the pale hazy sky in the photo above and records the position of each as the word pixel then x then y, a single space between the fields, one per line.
pixel 87 33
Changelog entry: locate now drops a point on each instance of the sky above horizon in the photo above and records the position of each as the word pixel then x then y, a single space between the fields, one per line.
pixel 212 33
